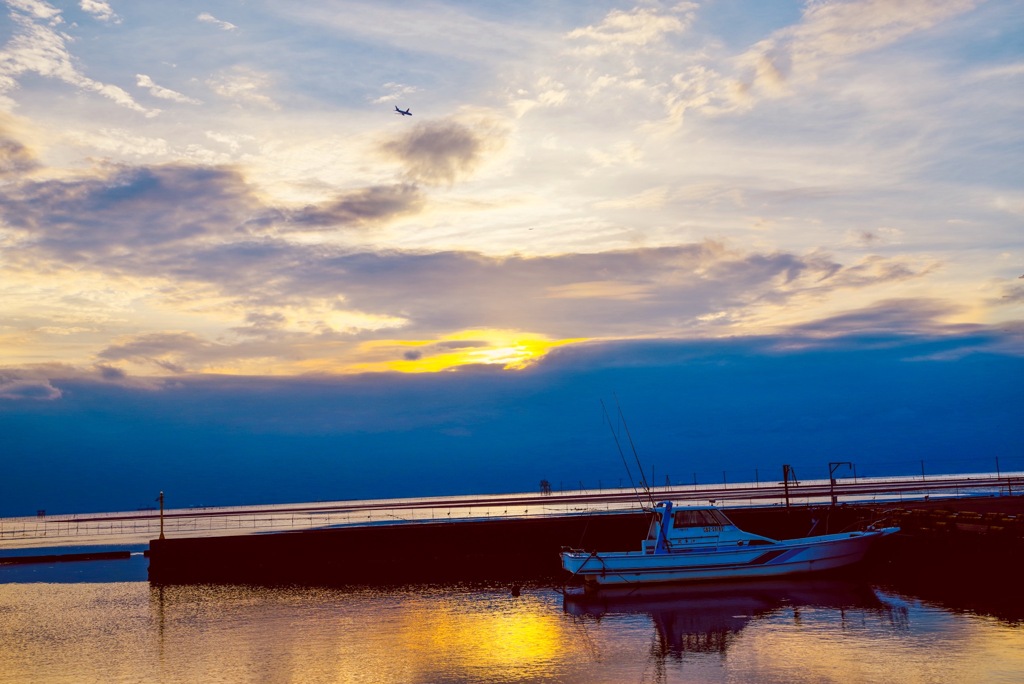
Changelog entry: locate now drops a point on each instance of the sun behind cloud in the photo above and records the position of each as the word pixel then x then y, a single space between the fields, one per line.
pixel 508 349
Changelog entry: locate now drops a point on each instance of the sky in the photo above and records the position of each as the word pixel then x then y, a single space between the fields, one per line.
pixel 773 232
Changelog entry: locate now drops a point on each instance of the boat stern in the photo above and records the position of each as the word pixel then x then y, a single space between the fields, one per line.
pixel 573 560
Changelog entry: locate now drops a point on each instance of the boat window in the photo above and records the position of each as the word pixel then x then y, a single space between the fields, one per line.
pixel 700 517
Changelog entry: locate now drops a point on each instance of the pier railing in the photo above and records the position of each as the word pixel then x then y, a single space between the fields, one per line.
pixel 138 527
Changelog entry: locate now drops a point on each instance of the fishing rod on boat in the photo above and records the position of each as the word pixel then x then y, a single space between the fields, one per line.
pixel 618 446
pixel 622 455
pixel 636 456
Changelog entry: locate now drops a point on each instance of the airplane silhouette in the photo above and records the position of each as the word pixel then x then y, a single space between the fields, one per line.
pixel 403 112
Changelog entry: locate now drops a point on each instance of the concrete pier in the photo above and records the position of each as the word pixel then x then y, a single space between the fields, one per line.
pixel 515 550
pixel 952 536
pixel 65 557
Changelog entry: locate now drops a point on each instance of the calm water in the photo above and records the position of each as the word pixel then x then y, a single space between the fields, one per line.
pixel 811 631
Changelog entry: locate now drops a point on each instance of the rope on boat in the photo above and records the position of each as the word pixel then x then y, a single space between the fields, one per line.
pixel 593 554
pixel 604 571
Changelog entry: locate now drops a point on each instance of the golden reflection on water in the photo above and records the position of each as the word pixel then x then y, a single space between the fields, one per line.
pixel 498 634
pixel 129 632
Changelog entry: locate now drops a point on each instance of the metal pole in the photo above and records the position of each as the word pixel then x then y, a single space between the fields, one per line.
pixel 161 515
pixel 785 482
pixel 832 479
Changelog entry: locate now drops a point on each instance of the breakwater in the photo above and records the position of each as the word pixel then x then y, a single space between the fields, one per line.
pixel 65 557
pixel 473 550
pixel 952 536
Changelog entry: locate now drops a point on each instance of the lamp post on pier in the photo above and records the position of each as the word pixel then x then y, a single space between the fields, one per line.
pixel 831 477
pixel 787 473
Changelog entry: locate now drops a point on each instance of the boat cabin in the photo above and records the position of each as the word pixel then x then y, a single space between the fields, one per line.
pixel 694 527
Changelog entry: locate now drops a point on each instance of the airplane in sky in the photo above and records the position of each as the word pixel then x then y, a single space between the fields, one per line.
pixel 403 112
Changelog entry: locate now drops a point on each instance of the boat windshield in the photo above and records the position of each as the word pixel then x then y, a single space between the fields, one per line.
pixel 700 517
pixel 652 531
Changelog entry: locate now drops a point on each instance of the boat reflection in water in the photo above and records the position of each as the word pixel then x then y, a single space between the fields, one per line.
pixel 707 618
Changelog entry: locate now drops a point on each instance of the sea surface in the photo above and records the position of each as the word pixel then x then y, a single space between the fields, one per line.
pixel 102 622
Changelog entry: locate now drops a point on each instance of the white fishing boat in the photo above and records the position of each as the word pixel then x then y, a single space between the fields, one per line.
pixel 701 544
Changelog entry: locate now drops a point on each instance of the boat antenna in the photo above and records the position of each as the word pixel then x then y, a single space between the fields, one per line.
pixel 618 446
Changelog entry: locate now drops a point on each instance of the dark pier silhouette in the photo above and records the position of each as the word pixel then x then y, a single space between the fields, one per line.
pixel 515 550
pixel 941 539
pixel 65 557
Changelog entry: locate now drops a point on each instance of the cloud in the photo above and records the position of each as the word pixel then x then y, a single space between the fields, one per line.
pixel 640 26
pixel 131 207
pixel 832 30
pixel 876 269
pixel 207 18
pixel 628 62
pixel 441 151
pixel 396 92
pixel 168 351
pixel 1011 294
pixel 262 324
pixel 875 237
pixel 15 159
pixel 144 81
pixel 99 9
pixel 133 219
pixel 1005 71
pixel 110 373
pixel 39 49
pixel 617 293
pixel 37 9
pixel 467 35
pixel 244 86
pixel 205 229
pixel 48 381
pixel 363 207
pixel 270 344
pixel 20 389
pixel 631 66
pixel 893 316
pixel 206 225
pixel 232 142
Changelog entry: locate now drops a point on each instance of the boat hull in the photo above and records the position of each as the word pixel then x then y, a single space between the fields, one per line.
pixel 784 558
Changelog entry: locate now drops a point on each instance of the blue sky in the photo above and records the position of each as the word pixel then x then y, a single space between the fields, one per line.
pixel 214 205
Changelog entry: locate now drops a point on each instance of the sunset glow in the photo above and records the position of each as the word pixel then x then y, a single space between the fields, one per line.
pixel 218 209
